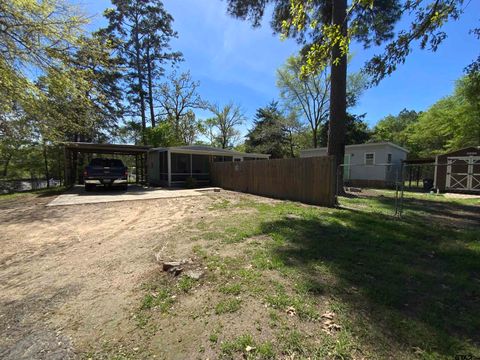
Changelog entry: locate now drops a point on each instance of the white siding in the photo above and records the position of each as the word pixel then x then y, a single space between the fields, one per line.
pixel 358 169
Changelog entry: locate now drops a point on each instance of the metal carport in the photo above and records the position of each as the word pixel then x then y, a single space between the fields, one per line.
pixel 72 149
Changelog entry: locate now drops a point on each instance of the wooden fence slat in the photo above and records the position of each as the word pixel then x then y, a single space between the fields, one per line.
pixel 309 180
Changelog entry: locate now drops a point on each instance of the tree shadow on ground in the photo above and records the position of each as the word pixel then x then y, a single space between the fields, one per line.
pixel 417 285
pixel 448 211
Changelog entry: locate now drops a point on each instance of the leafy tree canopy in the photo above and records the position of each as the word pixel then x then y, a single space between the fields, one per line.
pixel 357 131
pixel 269 134
pixel 308 95
pixel 450 124
pixel 395 128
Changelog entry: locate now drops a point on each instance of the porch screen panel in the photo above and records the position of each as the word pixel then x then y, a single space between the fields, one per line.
pixel 163 165
pixel 180 167
pixel 201 167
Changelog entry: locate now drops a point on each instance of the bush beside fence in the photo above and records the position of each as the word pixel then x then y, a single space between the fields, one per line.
pixel 308 180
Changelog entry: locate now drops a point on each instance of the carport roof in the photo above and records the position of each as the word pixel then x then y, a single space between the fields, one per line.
pixel 122 149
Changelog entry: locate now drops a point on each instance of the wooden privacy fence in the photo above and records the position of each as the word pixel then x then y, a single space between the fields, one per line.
pixel 309 180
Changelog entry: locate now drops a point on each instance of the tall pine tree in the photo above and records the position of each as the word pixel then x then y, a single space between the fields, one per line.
pixel 141 31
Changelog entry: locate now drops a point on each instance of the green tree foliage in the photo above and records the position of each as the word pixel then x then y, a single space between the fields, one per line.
pixel 305 95
pixel 322 27
pixel 308 95
pixel 141 31
pixel 68 98
pixel 33 34
pixel 81 100
pixel 189 128
pixel 269 134
pixel 224 125
pixel 327 27
pixel 395 128
pixel 450 124
pixel 178 97
pixel 14 135
pixel 298 134
pixel 162 135
pixel 357 131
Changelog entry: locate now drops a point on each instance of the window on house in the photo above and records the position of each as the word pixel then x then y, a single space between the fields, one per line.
pixel 369 158
pixel 389 161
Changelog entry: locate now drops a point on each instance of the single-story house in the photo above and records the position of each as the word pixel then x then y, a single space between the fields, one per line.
pixel 458 171
pixel 368 165
pixel 174 165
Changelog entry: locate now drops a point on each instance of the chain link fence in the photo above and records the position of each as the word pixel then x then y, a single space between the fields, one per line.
pixel 394 185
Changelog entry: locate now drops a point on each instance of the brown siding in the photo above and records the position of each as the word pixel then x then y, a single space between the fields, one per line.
pixel 309 180
pixel 441 166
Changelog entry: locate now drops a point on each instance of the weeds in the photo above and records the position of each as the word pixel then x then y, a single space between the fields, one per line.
pixel 399 288
pixel 231 289
pixel 230 305
pixel 246 345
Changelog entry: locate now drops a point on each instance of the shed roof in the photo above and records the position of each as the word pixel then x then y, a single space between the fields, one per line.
pixel 209 150
pixel 462 151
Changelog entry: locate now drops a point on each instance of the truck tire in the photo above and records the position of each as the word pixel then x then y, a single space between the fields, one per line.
pixel 89 187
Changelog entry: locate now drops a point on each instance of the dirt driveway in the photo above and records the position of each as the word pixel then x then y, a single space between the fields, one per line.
pixel 69 274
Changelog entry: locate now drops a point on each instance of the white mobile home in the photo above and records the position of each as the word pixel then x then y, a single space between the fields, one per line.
pixel 174 165
pixel 369 164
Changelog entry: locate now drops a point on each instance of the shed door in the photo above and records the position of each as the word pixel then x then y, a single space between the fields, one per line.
pixel 463 173
pixel 475 173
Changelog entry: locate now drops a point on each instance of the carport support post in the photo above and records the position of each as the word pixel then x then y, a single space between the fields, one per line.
pixel 136 169
pixel 145 167
pixel 67 165
pixel 142 164
pixel 169 168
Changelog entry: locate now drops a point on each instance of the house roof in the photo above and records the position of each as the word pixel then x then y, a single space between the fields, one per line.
pixel 209 150
pixel 355 146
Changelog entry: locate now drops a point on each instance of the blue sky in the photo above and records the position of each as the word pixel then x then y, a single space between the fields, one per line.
pixel 235 62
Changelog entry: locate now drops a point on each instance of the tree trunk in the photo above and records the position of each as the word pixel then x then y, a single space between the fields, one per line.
pixel 81 162
pixel 140 83
pixel 45 159
pixel 290 140
pixel 5 166
pixel 150 88
pixel 338 93
pixel 74 170
pixel 59 166
pixel 315 136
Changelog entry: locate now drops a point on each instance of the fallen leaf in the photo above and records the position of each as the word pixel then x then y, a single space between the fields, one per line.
pixel 328 315
pixel 291 311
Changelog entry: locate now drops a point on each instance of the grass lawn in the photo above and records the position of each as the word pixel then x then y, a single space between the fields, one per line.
pixel 285 280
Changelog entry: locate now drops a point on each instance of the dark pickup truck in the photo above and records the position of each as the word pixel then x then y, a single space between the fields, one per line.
pixel 106 172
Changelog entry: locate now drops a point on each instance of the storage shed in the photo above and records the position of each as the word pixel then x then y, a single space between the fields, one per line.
pixel 458 171
pixel 174 165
